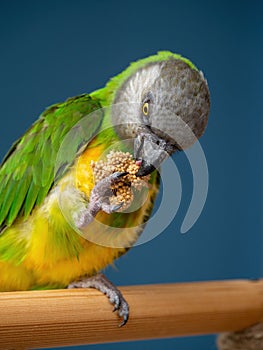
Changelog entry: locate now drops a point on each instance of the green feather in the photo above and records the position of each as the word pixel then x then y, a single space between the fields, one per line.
pixel 8 196
pixel 31 197
pixel 47 158
pixel 43 191
pixel 22 188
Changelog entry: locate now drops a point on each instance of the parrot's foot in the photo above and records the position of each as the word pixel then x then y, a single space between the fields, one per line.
pixel 100 199
pixel 101 193
pixel 101 283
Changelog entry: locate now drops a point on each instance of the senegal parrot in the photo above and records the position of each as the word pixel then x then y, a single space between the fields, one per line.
pixel 58 228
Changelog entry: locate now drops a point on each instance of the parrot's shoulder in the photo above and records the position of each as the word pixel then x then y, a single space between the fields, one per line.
pixel 27 172
pixel 83 103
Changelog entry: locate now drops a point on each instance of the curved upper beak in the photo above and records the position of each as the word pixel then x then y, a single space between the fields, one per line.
pixel 150 152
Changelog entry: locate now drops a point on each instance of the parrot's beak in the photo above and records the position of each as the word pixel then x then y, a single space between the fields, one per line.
pixel 150 152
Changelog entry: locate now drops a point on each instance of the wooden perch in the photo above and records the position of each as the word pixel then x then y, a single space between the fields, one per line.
pixel 70 317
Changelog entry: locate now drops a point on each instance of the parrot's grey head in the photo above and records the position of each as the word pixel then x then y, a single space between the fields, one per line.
pixel 164 106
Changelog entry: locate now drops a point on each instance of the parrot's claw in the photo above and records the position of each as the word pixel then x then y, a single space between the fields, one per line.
pixel 101 283
pixel 107 208
pixel 100 199
pixel 117 206
pixel 115 177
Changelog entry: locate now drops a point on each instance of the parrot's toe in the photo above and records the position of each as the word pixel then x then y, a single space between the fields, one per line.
pixel 99 198
pixel 101 283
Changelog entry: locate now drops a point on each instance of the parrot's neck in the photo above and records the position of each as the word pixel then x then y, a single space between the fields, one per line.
pixel 107 133
pixel 105 96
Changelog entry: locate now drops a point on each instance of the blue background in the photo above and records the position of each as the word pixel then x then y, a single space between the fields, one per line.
pixel 51 50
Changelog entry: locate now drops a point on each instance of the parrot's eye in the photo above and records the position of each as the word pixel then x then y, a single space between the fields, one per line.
pixel 145 108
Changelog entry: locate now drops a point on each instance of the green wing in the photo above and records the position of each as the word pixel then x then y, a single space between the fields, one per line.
pixel 35 161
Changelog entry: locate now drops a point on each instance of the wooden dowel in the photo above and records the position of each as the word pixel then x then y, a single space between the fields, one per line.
pixel 41 319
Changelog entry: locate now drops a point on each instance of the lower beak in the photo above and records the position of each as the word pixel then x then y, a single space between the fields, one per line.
pixel 149 151
pixel 145 168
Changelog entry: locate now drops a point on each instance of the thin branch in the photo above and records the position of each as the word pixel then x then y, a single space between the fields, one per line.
pixel 41 319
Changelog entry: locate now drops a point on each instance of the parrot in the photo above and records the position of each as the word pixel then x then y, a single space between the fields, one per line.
pixel 48 196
